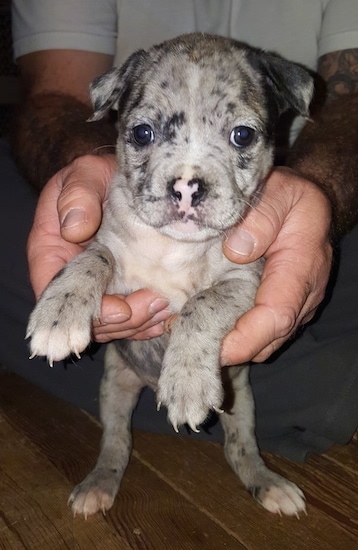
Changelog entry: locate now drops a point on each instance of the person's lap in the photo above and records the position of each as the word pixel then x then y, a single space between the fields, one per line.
pixel 305 397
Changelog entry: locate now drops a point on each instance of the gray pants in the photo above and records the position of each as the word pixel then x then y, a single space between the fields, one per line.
pixel 306 396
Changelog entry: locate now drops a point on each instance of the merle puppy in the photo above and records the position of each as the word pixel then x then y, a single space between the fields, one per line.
pixel 196 125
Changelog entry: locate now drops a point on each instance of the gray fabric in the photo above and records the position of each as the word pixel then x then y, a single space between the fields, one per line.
pixel 306 397
pixel 301 31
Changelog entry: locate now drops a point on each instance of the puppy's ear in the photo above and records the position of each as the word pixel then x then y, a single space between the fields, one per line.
pixel 291 84
pixel 108 89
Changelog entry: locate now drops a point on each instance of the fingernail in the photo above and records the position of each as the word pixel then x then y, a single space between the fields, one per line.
pixel 116 318
pixel 161 316
pixel 74 217
pixel 241 242
pixel 157 305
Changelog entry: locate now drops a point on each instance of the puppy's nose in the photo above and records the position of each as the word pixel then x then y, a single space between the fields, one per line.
pixel 188 193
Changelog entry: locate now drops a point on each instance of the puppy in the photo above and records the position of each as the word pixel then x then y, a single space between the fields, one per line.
pixel 196 127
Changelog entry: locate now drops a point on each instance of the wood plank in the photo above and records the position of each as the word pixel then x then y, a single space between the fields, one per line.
pixel 176 493
pixel 33 497
pixel 57 449
pixel 202 473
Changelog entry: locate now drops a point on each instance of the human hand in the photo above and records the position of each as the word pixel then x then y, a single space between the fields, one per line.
pixel 290 228
pixel 68 214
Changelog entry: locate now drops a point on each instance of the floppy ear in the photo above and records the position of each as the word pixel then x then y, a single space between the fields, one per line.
pixel 291 84
pixel 108 89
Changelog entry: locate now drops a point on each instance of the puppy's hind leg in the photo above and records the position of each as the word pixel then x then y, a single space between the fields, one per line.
pixel 120 389
pixel 274 492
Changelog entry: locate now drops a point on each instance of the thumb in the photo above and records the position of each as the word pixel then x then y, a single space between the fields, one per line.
pixel 251 238
pixel 249 241
pixel 85 184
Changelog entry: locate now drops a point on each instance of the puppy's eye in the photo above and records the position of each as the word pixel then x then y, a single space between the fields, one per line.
pixel 143 134
pixel 242 136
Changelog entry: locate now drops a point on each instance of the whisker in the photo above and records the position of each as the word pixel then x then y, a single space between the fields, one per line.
pixel 100 147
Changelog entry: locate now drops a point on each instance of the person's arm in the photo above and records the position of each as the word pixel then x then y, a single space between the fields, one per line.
pixel 326 151
pixel 50 128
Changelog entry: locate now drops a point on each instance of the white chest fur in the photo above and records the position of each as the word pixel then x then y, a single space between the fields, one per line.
pixel 147 259
pixel 176 270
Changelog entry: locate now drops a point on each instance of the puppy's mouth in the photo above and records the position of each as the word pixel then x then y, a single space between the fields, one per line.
pixel 186 226
pixel 184 220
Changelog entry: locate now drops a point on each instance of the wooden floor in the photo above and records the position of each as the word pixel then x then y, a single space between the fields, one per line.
pixel 176 494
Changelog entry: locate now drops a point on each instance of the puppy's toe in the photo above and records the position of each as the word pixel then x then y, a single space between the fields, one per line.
pixel 91 502
pixel 96 493
pixel 288 500
pixel 188 395
pixel 282 498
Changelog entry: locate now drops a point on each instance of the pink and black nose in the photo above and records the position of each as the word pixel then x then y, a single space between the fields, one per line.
pixel 188 193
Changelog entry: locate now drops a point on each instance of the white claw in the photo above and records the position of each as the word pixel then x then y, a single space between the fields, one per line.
pixel 218 410
pixel 175 426
pixel 33 355
pixel 194 428
pixel 159 404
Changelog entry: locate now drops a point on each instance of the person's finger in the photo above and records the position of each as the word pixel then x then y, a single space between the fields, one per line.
pixel 74 195
pixel 47 253
pixel 250 239
pixel 125 316
pixel 162 322
pixel 85 190
pixel 115 309
pixel 287 297
pixel 151 329
pixel 291 229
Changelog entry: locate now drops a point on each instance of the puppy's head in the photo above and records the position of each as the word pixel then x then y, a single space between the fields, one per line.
pixel 197 117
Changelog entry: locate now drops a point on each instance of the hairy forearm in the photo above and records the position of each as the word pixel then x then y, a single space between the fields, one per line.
pixel 50 130
pixel 326 152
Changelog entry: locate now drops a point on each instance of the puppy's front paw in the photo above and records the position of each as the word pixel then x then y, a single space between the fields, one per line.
pixel 189 389
pixel 60 324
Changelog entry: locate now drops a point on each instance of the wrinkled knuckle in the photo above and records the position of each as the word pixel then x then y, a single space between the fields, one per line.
pixel 73 190
pixel 285 322
pixel 268 350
